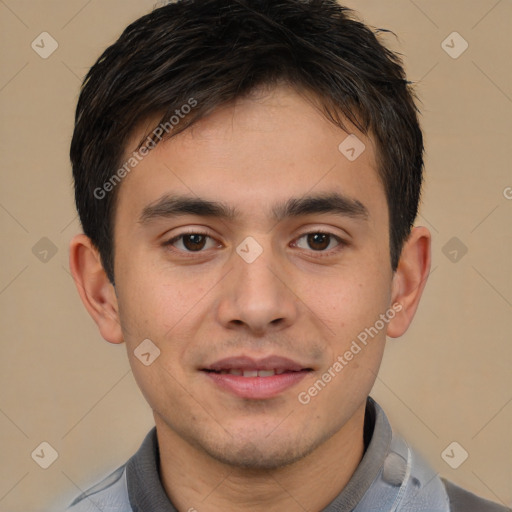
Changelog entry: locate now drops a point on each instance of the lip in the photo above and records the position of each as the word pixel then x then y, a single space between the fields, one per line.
pixel 256 388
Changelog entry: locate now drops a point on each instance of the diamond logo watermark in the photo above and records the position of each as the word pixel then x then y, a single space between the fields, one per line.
pixel 44 455
pixel 44 250
pixel 249 250
pixel 352 148
pixel 147 352
pixel 455 249
pixel 454 455
pixel 454 45
pixel 44 45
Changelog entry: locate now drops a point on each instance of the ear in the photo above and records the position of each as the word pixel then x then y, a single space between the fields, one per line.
pixel 95 289
pixel 409 279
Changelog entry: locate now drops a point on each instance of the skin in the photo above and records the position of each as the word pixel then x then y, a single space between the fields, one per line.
pixel 220 451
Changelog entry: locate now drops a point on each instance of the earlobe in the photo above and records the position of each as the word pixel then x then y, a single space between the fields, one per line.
pixel 95 289
pixel 410 279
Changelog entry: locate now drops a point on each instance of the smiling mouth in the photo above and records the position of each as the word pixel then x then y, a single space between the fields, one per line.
pixel 256 379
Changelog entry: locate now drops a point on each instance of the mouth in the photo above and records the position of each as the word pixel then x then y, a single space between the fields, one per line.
pixel 250 373
pixel 256 379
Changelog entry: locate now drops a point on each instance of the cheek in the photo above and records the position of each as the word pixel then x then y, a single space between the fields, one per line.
pixel 155 295
pixel 165 305
pixel 348 299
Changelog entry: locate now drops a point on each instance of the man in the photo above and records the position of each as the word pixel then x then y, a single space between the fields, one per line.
pixel 247 174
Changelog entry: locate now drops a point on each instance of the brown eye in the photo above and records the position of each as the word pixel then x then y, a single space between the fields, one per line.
pixel 318 241
pixel 194 242
pixel 191 242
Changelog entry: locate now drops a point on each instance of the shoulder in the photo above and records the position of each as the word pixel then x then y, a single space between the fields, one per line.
pixel 465 501
pixel 109 495
pixel 112 494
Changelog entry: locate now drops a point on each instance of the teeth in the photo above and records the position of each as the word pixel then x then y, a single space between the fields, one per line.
pixel 266 373
pixel 252 373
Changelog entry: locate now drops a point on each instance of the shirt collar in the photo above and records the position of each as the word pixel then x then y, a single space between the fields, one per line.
pixel 147 494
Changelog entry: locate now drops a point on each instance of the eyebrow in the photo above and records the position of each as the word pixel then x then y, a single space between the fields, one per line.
pixel 170 206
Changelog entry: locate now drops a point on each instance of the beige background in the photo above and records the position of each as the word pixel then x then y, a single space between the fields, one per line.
pixel 448 379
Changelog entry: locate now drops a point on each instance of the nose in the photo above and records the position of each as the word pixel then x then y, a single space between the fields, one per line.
pixel 257 297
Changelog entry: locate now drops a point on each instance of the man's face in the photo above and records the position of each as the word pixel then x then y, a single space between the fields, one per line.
pixel 189 281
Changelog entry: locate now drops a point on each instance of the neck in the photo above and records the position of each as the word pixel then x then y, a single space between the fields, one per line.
pixel 195 481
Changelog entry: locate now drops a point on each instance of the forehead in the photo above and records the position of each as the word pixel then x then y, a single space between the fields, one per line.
pixel 258 151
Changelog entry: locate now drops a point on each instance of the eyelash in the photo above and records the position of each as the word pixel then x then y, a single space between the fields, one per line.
pixel 318 254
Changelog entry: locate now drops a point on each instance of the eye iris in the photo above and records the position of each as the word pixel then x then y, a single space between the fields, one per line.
pixel 194 242
pixel 318 241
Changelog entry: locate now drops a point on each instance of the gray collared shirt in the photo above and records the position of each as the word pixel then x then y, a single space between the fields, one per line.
pixel 391 477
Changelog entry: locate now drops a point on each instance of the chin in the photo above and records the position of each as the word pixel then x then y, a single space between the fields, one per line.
pixel 261 452
pixel 255 457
